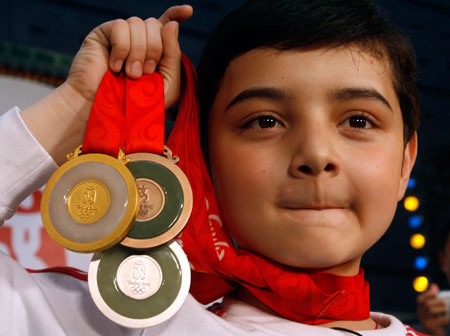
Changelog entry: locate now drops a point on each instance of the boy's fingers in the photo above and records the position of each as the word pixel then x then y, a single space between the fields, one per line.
pixel 169 65
pixel 138 47
pixel 118 34
pixel 176 13
pixel 171 53
pixel 154 45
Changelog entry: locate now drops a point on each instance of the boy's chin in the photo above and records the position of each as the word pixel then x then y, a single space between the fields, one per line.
pixel 330 262
pixel 317 250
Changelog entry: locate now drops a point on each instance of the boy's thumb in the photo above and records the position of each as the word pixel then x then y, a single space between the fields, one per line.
pixel 169 65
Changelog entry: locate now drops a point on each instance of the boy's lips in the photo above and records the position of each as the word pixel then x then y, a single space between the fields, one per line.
pixel 314 207
pixel 312 197
pixel 300 204
pixel 316 214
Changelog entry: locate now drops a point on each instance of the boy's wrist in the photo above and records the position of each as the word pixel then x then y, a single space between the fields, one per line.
pixel 58 121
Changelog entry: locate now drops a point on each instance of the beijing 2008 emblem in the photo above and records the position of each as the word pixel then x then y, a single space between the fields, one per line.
pixel 88 201
pixel 152 199
pixel 139 277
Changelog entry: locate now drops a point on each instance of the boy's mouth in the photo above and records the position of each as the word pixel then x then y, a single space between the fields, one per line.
pixel 317 215
pixel 319 207
pixel 298 204
pixel 307 197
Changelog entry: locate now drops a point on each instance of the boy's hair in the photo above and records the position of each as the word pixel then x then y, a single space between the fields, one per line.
pixel 290 24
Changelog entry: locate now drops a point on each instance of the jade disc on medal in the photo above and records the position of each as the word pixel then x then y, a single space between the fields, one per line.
pixel 127 306
pixel 89 204
pixel 164 193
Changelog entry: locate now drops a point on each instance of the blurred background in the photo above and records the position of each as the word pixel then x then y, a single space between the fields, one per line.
pixel 38 39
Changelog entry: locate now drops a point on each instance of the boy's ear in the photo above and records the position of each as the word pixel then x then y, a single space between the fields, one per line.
pixel 409 158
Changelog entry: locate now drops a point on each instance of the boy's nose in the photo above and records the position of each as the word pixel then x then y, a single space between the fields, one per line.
pixel 315 154
pixel 316 169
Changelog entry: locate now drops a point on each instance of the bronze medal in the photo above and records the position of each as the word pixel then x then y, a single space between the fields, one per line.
pixel 165 200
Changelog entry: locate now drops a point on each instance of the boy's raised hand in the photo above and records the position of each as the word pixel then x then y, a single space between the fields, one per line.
pixel 139 46
pixel 135 45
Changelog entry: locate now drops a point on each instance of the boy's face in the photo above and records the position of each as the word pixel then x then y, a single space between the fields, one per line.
pixel 307 154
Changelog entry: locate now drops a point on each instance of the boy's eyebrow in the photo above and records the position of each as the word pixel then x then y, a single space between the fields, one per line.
pixel 356 92
pixel 338 94
pixel 259 92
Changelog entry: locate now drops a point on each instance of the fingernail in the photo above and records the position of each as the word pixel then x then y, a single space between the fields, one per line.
pixel 118 65
pixel 149 67
pixel 136 69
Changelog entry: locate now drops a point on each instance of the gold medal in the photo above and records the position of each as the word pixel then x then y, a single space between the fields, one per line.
pixel 90 202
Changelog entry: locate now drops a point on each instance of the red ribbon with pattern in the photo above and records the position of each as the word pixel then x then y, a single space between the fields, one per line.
pixel 126 114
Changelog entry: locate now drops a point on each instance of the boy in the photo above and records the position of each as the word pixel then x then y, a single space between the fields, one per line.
pixel 309 117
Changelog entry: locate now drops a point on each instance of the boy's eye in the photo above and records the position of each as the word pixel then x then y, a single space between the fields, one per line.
pixel 359 121
pixel 264 121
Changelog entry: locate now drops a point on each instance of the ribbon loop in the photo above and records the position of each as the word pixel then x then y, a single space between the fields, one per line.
pixel 127 114
pixel 144 106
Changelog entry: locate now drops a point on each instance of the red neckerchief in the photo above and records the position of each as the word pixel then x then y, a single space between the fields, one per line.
pixel 306 297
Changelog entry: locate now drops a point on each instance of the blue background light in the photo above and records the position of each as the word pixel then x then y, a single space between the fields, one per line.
pixel 420 263
pixel 414 222
pixel 411 183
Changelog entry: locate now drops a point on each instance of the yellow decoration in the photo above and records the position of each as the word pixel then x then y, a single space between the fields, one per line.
pixel 420 284
pixel 411 203
pixel 417 241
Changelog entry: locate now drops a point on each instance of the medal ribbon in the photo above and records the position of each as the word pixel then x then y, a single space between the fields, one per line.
pixel 305 296
pixel 126 114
